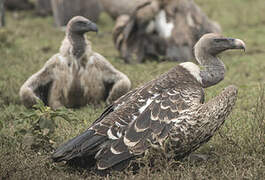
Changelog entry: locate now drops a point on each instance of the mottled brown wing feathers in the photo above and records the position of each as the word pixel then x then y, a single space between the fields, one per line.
pixel 110 160
pixel 108 110
pixel 151 127
pixel 114 106
pixel 142 118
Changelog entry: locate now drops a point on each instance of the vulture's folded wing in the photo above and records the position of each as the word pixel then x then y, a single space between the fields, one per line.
pixel 150 128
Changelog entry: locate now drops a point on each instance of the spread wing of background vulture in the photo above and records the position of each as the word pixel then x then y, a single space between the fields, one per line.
pixel 167 113
pixel 161 28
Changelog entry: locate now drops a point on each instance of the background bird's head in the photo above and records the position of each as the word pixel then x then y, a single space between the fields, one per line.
pixel 213 44
pixel 80 25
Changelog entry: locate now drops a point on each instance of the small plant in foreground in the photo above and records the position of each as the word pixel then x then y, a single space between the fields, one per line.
pixel 38 127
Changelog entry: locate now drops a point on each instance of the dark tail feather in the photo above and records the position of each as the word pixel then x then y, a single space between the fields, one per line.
pixel 110 160
pixel 82 145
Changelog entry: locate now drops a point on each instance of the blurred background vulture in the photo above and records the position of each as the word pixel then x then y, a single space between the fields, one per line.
pixel 166 29
pixel 115 8
pixel 18 4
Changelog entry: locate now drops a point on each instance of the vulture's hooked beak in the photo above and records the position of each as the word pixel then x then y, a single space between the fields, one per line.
pixel 92 27
pixel 237 44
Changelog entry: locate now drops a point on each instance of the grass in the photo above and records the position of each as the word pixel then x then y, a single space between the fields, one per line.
pixel 237 151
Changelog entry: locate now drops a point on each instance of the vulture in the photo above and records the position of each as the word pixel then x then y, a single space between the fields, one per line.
pixel 64 10
pixel 77 75
pixel 167 113
pixel 115 8
pixel 43 7
pixel 161 30
pixel 19 4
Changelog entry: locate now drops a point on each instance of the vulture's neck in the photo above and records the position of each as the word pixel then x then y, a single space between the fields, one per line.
pixel 212 69
pixel 78 44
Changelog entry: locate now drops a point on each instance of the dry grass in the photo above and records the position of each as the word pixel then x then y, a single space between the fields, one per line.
pixel 237 151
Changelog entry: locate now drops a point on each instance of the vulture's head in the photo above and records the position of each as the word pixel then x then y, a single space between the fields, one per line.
pixel 80 25
pixel 213 44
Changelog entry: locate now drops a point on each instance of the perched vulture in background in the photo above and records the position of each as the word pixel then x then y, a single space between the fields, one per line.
pixel 2 13
pixel 116 8
pixel 167 113
pixel 43 7
pixel 18 5
pixel 77 75
pixel 64 10
pixel 165 29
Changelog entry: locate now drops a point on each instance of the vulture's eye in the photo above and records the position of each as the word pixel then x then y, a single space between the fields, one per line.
pixel 220 40
pixel 82 23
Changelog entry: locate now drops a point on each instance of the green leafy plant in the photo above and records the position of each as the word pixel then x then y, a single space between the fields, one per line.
pixel 38 126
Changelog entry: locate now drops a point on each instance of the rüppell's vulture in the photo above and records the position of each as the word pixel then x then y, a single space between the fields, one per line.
pixel 77 75
pixel 161 29
pixel 168 111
